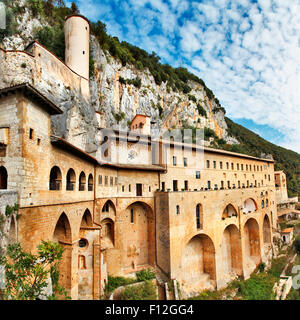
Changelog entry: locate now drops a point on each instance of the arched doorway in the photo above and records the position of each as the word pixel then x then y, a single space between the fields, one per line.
pixel 198 271
pixel 231 250
pixel 249 206
pixel 139 238
pixel 82 181
pixel 62 234
pixel 71 180
pixel 252 244
pixel 229 212
pixel 3 178
pixel 109 208
pixel 107 234
pixel 267 234
pixel 85 257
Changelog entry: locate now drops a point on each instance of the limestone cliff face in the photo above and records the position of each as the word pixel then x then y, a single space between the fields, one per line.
pixel 116 101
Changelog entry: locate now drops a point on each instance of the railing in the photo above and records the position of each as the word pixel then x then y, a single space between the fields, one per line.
pixel 70 186
pixel 81 187
pixel 90 187
pixel 55 185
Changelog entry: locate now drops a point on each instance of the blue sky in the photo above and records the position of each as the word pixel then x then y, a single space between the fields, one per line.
pixel 246 51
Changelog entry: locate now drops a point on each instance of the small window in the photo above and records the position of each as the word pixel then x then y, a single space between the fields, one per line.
pixel 139 189
pixel 31 133
pixel 106 180
pixel 186 185
pixel 175 185
pixel 215 164
pixel 82 243
pixel 99 179
pixel 83 52
pixel 38 141
pixel 129 188
pixel 131 216
pixel 237 166
pixel 116 181
pixel 221 165
pixel 111 181
pixel 149 189
pixel 163 186
pixel 177 210
pixel 227 165
pixel 123 188
pixel 232 166
pixel 207 164
pixel 197 174
pixel 185 162
pixel 208 185
pixel 174 161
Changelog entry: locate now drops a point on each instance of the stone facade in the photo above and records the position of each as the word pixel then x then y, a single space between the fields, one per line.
pixel 199 215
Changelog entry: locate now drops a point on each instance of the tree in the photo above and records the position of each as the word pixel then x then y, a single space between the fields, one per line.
pixel 26 274
pixel 297 244
pixel 74 8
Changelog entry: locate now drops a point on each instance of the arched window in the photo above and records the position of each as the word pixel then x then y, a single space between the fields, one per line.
pixel 199 223
pixel 55 179
pixel 82 181
pixel 249 206
pixel 3 178
pixel 262 204
pixel 71 180
pixel 267 203
pixel 90 183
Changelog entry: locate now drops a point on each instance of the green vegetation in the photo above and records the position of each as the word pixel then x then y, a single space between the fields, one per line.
pixel 144 291
pixel 116 282
pixel 258 287
pixel 201 111
pixel 137 82
pixel 27 274
pixel 145 274
pixel 297 244
pixel 252 144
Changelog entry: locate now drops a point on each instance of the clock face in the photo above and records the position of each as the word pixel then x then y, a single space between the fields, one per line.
pixel 132 154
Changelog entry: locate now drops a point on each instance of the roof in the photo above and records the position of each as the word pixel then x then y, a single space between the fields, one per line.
pixel 67 146
pixel 286 211
pixel 77 15
pixel 143 167
pixel 287 230
pixel 33 94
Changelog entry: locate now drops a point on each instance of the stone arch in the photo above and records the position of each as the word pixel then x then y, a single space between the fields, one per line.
pixel 87 219
pixel 267 232
pixel 231 251
pixel 249 206
pixel 82 181
pixel 198 267
pixel 55 178
pixel 229 212
pixel 71 180
pixel 107 233
pixel 3 178
pixel 139 238
pixel 62 234
pixel 252 244
pixel 90 182
pixel 109 208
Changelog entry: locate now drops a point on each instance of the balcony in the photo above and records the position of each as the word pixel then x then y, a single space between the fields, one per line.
pixel 70 186
pixel 55 185
pixel 81 187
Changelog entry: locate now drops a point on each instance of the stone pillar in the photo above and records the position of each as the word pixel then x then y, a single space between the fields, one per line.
pixel 97 270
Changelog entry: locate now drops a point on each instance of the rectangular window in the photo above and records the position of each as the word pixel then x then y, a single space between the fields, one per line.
pixel 227 165
pixel 163 186
pixel 174 161
pixel 242 167
pixel 185 162
pixel 222 184
pixel 197 174
pixel 175 185
pixel 111 181
pixel 207 164
pixel 228 184
pixel 123 188
pixel 186 185
pixel 215 164
pixel 100 179
pixel 237 166
pixel 139 189
pixel 246 167
pixel 30 133
pixel 232 166
pixel 116 181
pixel 221 165
pixel 208 185
pixel 239 184
pixel 131 216
pixel 177 209
pixel 129 188
pixel 106 180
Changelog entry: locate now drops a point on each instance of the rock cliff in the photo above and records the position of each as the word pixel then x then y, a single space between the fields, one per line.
pixel 117 92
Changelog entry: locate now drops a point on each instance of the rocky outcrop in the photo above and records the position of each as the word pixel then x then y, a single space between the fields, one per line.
pixel 118 102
